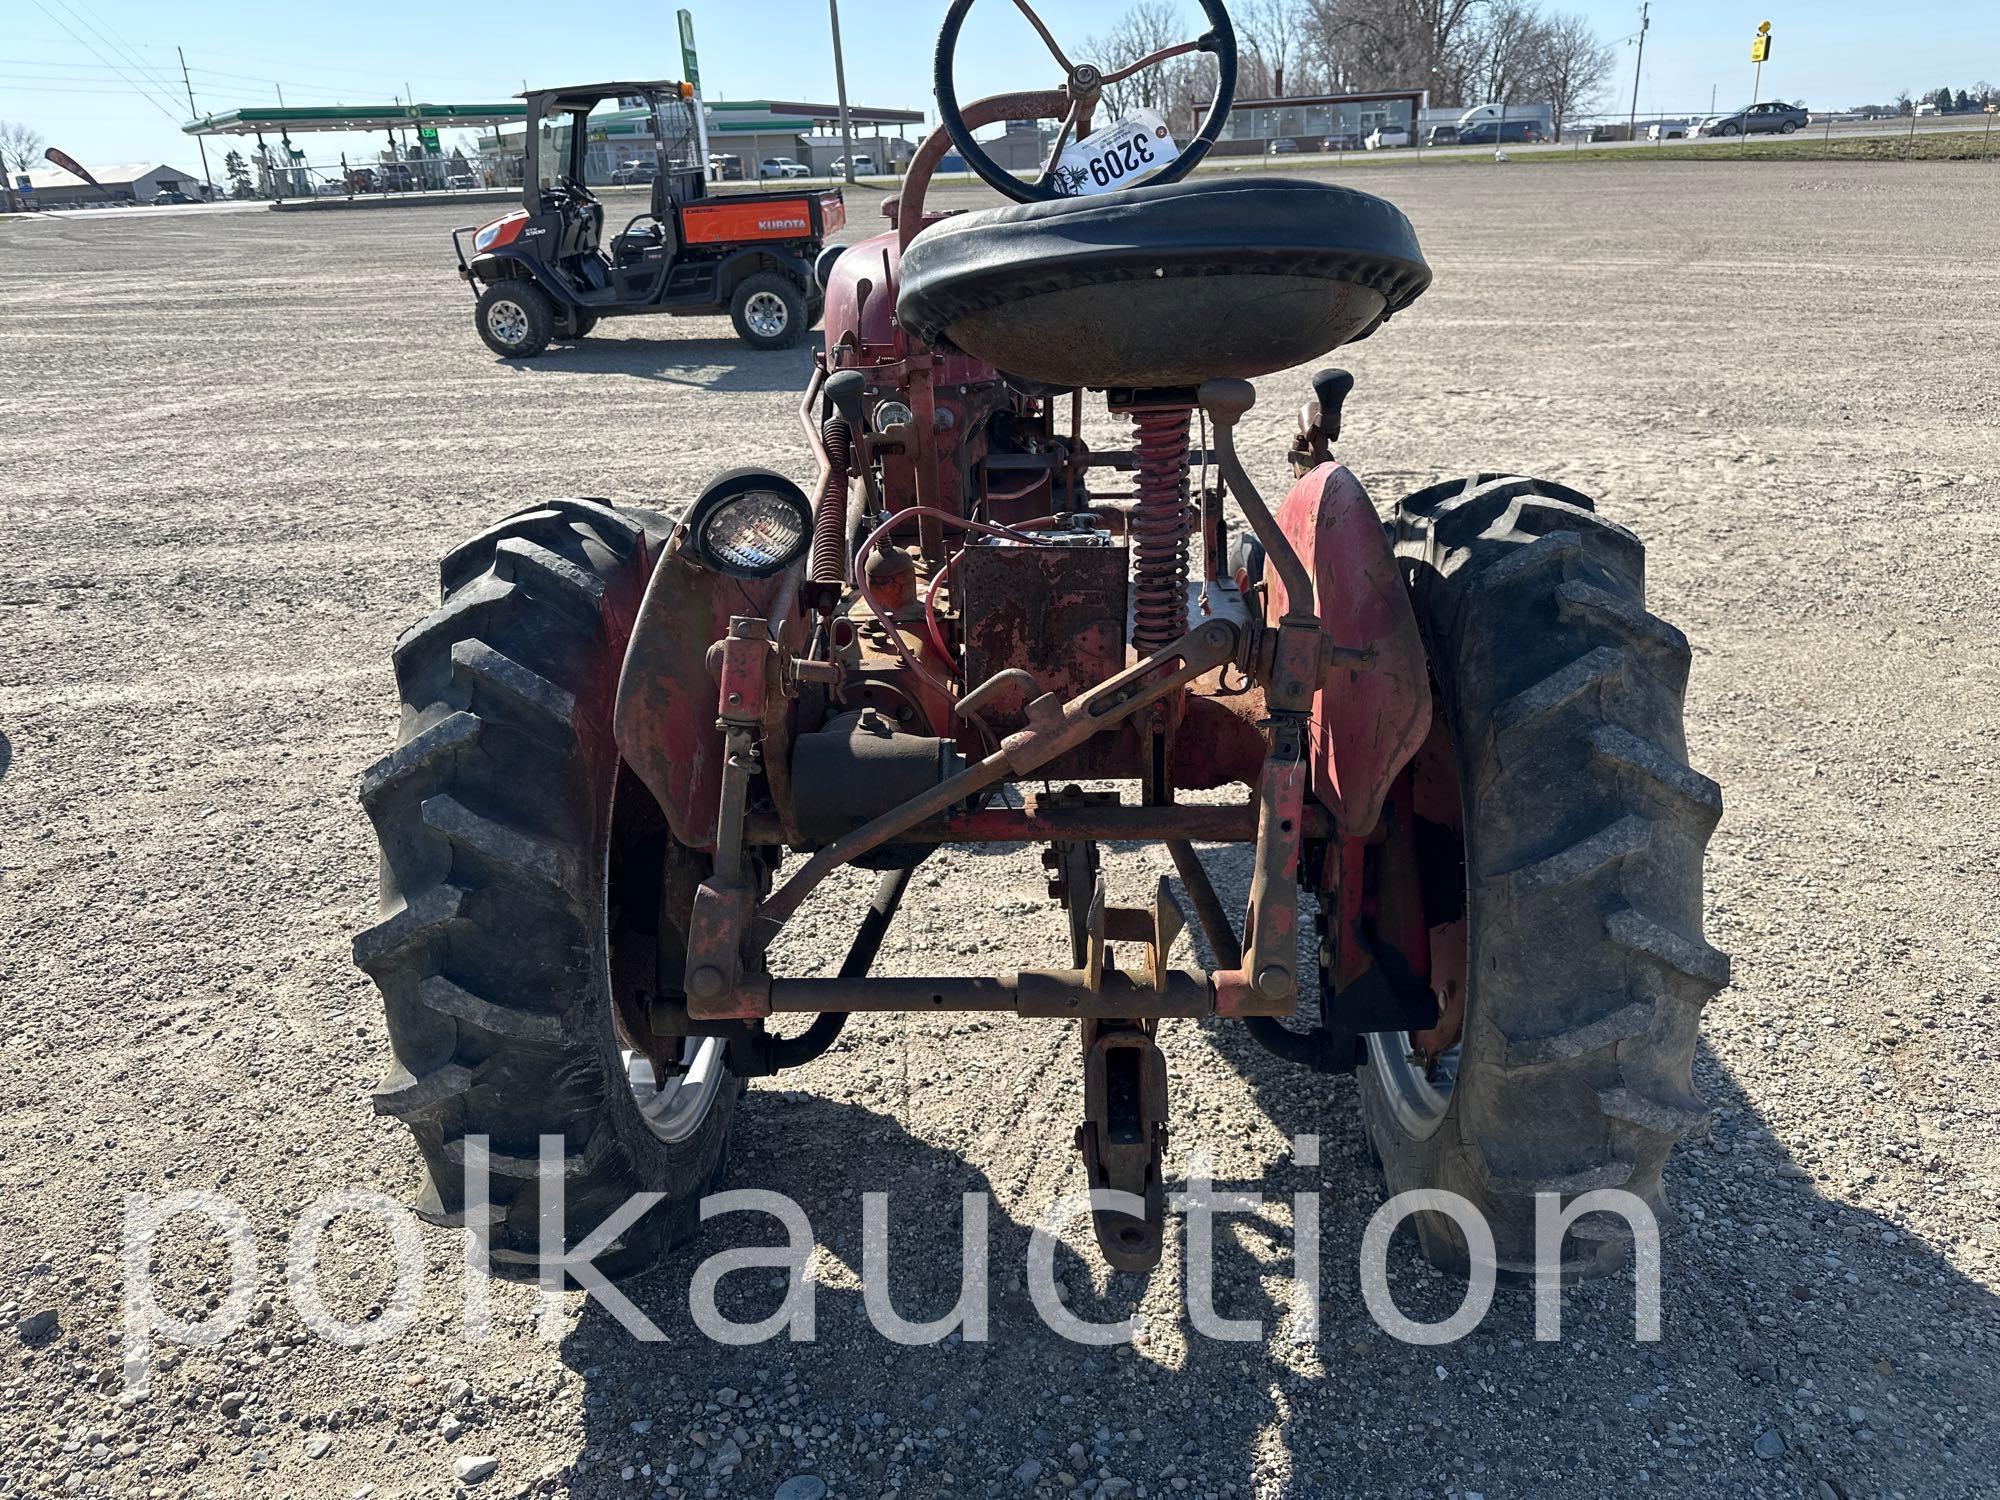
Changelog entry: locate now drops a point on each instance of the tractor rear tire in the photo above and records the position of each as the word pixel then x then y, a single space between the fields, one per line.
pixel 493 953
pixel 769 311
pixel 516 318
pixel 1584 835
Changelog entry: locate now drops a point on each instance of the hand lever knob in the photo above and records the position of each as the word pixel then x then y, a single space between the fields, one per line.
pixel 1331 388
pixel 844 389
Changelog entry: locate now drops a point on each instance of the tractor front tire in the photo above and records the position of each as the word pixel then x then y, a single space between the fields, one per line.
pixel 516 318
pixel 769 311
pixel 495 816
pixel 1583 840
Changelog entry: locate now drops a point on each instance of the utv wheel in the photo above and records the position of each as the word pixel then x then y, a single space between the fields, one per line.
pixel 769 311
pixel 1584 829
pixel 520 871
pixel 515 318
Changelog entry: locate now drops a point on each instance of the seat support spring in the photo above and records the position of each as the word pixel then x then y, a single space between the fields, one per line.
pixel 1160 527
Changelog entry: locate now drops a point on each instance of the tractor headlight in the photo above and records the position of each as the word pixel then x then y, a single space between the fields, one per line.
pixel 750 523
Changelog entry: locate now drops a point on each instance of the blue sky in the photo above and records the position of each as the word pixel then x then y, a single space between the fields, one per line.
pixel 68 66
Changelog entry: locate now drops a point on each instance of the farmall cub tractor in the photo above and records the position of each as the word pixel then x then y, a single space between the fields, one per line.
pixel 633 744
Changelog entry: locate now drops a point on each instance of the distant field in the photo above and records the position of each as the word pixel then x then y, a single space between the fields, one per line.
pixel 1955 145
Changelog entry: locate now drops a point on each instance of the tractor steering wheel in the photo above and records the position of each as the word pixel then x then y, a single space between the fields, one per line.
pixel 1083 84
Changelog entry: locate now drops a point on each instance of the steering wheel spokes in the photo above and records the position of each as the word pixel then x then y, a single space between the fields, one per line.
pixel 1048 37
pixel 1075 125
pixel 1083 87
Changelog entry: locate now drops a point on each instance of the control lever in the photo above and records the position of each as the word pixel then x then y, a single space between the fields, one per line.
pixel 844 388
pixel 1332 388
pixel 1319 420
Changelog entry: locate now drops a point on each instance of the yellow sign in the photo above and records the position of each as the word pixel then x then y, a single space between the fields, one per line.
pixel 1763 28
pixel 1760 49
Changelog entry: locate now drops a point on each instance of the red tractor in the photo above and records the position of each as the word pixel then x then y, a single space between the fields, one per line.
pixel 633 744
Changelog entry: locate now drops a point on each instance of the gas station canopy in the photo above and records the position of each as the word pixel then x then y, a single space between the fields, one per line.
pixel 351 117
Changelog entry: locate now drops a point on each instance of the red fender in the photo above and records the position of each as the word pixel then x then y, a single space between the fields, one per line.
pixel 1366 722
pixel 665 719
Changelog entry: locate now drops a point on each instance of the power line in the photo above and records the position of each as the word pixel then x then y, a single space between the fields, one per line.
pixel 155 86
pixel 171 114
pixel 124 93
pixel 92 19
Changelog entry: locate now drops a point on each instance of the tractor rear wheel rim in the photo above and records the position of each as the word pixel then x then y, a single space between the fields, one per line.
pixel 766 314
pixel 509 322
pixel 676 1107
pixel 673 1111
pixel 1417 1099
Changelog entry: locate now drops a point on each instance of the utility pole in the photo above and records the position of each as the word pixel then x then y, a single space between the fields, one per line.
pixel 195 114
pixel 1632 127
pixel 840 88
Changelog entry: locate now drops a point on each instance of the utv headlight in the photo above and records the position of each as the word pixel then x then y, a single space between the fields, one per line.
pixel 750 523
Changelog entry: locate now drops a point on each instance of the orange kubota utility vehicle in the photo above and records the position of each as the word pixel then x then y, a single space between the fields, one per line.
pixel 546 272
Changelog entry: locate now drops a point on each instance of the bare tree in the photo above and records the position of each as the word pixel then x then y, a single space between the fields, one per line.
pixel 1574 68
pixel 1507 48
pixel 1170 89
pixel 20 147
pixel 1272 31
pixel 1374 44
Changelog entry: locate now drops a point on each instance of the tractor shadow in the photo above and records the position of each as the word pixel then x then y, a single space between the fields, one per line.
pixel 945 1417
pixel 1785 1308
pixel 722 365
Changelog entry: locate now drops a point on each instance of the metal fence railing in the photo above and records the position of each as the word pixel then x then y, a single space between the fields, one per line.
pixel 1535 126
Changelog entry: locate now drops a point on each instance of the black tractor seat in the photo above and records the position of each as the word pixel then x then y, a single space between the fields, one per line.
pixel 1158 287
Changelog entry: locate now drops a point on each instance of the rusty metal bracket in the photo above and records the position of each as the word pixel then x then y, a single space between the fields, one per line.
pixel 1053 727
pixel 1123 1136
pixel 1154 929
pixel 1267 984
pixel 1226 402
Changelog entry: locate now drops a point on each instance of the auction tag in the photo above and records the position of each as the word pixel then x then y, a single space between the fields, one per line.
pixel 1118 156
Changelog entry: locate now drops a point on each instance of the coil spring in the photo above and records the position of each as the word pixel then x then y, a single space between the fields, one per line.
pixel 1160 528
pixel 829 549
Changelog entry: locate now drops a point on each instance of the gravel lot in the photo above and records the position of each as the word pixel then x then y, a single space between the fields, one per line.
pixel 233 446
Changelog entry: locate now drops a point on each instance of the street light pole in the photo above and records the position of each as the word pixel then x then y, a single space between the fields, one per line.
pixel 195 114
pixel 840 88
pixel 1632 126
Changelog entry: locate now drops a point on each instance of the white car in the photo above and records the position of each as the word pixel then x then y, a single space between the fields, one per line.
pixel 1386 135
pixel 863 166
pixel 782 166
pixel 1667 130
